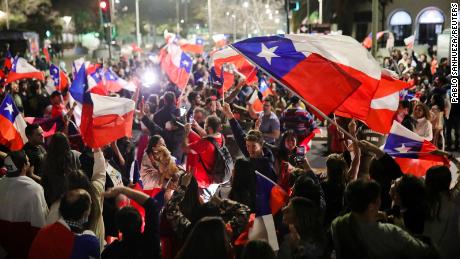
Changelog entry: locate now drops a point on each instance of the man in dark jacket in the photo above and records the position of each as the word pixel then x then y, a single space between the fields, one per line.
pixel 252 147
pixel 135 243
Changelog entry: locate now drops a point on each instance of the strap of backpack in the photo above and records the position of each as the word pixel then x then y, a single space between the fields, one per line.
pixel 216 147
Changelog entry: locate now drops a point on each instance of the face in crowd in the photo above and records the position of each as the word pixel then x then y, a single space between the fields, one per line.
pixel 267 107
pixel 419 112
pixel 36 137
pixel 290 143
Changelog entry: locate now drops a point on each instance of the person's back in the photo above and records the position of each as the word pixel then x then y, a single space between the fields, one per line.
pixel 359 235
pixel 298 119
pixel 67 237
pixel 23 209
pixel 377 240
pixel 135 244
pixel 58 241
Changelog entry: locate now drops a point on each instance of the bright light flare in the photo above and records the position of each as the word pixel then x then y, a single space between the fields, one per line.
pixel 149 78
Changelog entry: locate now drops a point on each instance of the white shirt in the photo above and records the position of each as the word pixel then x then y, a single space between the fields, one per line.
pixel 22 200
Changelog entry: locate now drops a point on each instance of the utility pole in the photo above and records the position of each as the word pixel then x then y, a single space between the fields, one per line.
pixel 320 18
pixel 209 20
pixel 375 25
pixel 286 3
pixel 138 31
pixel 177 17
pixel 7 9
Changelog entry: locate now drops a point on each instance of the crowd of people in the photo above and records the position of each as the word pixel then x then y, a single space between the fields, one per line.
pixel 199 150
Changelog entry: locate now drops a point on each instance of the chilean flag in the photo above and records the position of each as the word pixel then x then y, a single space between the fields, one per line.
pixel 230 56
pixel 12 125
pixel 367 43
pixel 409 41
pixel 270 198
pixel 265 90
pixel 104 119
pixel 323 69
pixel 21 69
pixel 411 151
pixel 59 78
pixel 113 83
pixel 176 64
pixel 188 46
pixel 95 75
pixel 375 104
pixel 384 104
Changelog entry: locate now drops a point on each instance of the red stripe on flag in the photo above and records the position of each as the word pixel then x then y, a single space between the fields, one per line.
pixel 322 83
pixel 13 76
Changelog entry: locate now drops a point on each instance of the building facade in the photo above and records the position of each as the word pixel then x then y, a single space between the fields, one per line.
pixel 423 18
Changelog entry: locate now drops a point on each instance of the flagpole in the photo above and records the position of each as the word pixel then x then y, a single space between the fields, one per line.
pixel 322 114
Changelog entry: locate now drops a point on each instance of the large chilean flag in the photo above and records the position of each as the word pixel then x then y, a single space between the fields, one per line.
pixel 21 69
pixel 104 119
pixel 323 69
pixel 12 125
pixel 373 104
pixel 411 151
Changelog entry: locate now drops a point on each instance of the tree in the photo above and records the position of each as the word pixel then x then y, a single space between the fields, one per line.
pixel 256 17
pixel 34 15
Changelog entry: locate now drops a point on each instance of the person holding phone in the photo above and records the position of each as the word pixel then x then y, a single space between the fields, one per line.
pixel 289 156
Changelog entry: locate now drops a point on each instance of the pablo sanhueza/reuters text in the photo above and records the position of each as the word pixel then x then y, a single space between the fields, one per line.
pixel 454 52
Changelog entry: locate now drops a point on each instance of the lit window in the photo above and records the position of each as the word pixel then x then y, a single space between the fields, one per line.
pixel 400 18
pixel 431 16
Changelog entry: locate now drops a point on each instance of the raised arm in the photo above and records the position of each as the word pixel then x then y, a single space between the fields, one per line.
pixel 237 131
pixel 98 178
pixel 354 168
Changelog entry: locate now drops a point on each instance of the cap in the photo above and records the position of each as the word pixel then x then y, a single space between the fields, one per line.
pixel 9 165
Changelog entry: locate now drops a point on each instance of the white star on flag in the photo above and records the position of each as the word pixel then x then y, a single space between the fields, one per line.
pixel 9 107
pixel 268 53
pixel 403 149
pixel 185 63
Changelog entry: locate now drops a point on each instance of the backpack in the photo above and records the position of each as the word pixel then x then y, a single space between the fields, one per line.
pixel 223 163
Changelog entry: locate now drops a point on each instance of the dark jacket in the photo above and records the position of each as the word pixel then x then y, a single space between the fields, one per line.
pixel 265 164
pixel 145 245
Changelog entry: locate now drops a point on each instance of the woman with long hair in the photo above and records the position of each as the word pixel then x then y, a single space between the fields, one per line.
pixel 409 203
pixel 62 174
pixel 59 161
pixel 442 224
pixel 207 240
pixel 149 172
pixel 243 184
pixel 423 126
pixel 306 238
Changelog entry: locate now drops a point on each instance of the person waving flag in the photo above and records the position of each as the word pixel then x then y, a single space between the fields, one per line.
pixel 104 119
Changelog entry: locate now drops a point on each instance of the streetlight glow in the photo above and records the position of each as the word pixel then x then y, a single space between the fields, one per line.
pixel 245 4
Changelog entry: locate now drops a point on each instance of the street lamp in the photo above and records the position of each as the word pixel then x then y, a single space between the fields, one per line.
pixel 320 11
pixel 245 4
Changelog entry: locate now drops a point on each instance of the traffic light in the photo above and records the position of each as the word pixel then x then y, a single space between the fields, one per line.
pixel 294 5
pixel 104 6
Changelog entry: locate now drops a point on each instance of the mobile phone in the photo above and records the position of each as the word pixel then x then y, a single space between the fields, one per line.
pixel 182 111
pixel 299 154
